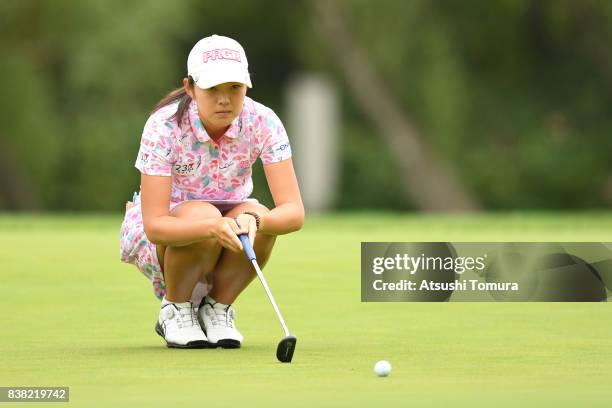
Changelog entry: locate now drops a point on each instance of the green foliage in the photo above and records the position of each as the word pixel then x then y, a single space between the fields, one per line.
pixel 515 95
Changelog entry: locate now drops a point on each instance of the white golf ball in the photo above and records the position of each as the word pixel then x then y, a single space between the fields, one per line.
pixel 382 368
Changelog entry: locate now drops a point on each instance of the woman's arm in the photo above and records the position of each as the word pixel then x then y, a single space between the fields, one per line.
pixel 163 229
pixel 288 214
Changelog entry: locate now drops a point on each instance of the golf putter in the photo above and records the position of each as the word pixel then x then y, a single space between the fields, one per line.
pixel 286 347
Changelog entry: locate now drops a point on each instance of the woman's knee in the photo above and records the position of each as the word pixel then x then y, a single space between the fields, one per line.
pixel 248 206
pixel 195 210
pixel 198 210
pixel 204 249
pixel 255 207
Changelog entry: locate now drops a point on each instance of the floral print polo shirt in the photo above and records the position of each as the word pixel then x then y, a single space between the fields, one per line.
pixel 204 169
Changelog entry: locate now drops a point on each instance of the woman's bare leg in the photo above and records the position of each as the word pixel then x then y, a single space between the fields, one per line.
pixel 184 266
pixel 234 271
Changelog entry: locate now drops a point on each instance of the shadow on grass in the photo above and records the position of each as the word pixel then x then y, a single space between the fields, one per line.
pixel 132 349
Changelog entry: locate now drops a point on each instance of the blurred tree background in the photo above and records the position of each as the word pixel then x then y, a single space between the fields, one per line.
pixel 515 96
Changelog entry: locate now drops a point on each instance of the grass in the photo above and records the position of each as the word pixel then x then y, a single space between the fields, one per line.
pixel 73 315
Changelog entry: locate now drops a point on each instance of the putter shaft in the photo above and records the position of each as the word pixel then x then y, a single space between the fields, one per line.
pixel 250 253
pixel 265 285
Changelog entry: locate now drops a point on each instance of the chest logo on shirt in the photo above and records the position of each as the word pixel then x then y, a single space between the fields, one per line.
pixel 226 165
pixel 241 165
pixel 188 168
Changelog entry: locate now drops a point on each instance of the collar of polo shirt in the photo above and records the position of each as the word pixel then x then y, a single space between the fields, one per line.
pixel 198 127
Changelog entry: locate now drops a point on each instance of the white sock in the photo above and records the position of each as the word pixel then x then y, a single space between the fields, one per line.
pixel 165 301
pixel 199 291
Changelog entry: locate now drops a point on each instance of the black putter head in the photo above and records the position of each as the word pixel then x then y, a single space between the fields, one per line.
pixel 285 349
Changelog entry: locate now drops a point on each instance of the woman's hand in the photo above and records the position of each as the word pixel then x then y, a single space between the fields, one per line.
pixel 250 223
pixel 226 230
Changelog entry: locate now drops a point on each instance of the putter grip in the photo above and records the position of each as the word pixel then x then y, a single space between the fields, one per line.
pixel 246 244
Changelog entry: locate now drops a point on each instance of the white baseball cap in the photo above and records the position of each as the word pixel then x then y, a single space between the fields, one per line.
pixel 218 59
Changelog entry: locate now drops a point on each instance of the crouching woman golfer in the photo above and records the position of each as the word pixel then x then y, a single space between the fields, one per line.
pixel 195 159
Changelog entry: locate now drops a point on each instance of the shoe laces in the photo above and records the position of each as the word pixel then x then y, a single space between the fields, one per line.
pixel 221 316
pixel 186 317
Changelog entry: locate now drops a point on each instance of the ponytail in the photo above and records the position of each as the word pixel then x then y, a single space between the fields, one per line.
pixel 178 94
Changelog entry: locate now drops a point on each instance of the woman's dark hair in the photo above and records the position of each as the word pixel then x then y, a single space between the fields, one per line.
pixel 178 94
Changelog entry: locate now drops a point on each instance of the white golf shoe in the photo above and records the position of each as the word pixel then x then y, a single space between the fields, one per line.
pixel 218 321
pixel 178 325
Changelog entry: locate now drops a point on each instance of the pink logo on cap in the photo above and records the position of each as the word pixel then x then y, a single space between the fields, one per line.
pixel 221 53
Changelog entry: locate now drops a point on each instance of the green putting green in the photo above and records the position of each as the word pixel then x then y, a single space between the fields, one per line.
pixel 73 315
